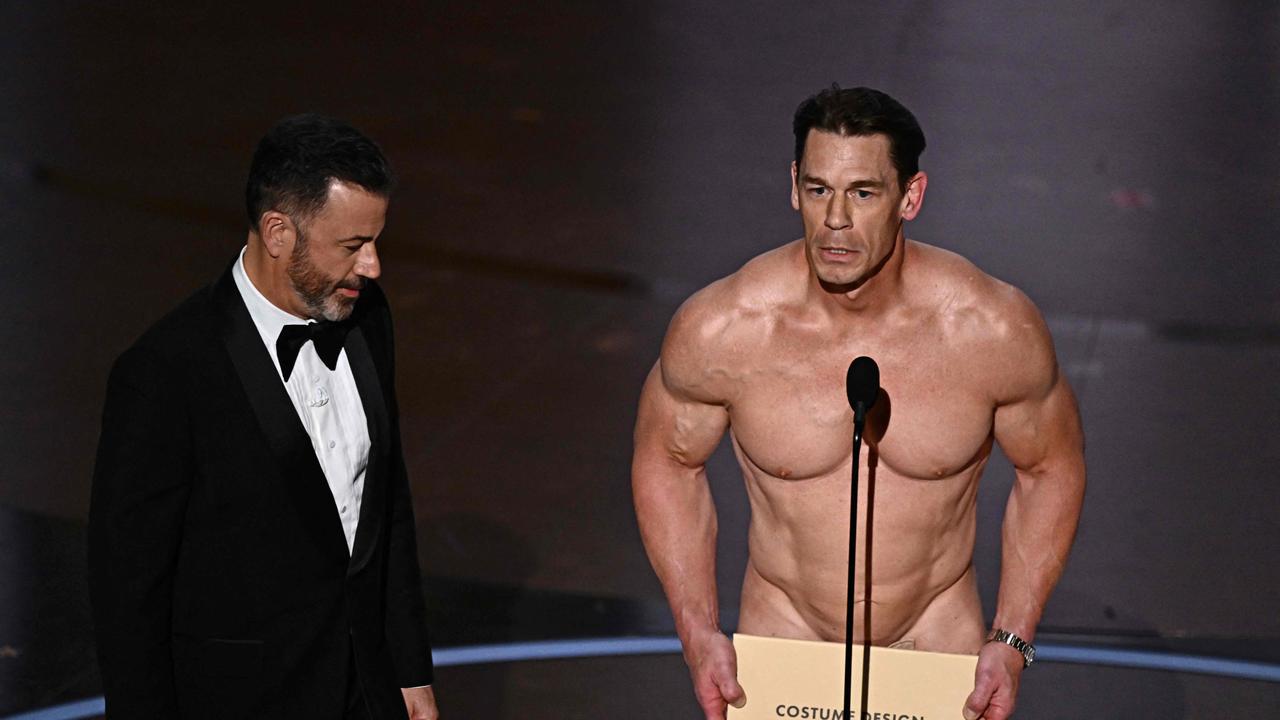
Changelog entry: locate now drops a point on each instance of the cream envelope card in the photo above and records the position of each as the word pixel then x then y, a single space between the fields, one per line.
pixel 805 680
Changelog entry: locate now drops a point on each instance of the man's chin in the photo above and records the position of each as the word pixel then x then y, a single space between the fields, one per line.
pixel 840 282
pixel 338 309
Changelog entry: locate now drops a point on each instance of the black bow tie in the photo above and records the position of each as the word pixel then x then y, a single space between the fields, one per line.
pixel 327 337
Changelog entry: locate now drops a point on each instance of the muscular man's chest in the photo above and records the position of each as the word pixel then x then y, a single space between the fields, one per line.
pixel 792 419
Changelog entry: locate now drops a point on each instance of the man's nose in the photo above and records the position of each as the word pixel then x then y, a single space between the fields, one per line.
pixel 838 217
pixel 367 263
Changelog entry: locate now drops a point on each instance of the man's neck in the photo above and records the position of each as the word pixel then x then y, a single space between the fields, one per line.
pixel 274 286
pixel 873 297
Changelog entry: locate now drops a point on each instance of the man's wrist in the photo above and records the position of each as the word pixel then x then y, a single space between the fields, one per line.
pixel 695 627
pixel 1026 649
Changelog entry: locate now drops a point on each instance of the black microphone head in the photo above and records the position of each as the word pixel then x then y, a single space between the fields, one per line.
pixel 862 383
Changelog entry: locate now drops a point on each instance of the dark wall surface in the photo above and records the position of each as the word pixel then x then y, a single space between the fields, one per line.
pixel 570 172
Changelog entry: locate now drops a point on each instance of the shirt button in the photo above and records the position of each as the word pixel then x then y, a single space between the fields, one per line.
pixel 332 444
pixel 344 509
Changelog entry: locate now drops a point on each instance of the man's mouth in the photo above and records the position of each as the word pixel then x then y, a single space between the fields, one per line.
pixel 836 253
pixel 350 290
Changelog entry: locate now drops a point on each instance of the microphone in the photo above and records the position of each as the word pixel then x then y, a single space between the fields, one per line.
pixel 862 385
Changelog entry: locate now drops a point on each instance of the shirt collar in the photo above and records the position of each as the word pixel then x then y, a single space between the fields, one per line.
pixel 268 318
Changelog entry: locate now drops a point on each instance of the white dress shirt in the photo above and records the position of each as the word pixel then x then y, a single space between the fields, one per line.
pixel 327 402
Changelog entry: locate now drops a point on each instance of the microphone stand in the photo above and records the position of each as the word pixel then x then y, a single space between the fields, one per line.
pixel 859 422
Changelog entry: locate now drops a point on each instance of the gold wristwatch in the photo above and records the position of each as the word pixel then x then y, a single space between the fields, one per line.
pixel 1004 636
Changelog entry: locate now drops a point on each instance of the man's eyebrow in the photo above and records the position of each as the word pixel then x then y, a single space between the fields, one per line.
pixel 808 179
pixel 360 238
pixel 866 182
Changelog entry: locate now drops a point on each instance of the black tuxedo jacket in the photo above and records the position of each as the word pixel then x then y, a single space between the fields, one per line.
pixel 219 573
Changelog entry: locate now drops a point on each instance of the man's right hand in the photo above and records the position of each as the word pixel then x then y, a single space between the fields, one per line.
pixel 714 667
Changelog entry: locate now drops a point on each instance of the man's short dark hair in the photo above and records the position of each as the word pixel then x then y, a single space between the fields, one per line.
pixel 862 111
pixel 297 160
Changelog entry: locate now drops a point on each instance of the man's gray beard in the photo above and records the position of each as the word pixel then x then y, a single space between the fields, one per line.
pixel 316 290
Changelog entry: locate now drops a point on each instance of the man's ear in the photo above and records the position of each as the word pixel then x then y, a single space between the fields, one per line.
pixel 278 233
pixel 795 188
pixel 913 198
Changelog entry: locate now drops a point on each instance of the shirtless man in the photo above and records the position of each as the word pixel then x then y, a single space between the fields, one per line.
pixel 965 361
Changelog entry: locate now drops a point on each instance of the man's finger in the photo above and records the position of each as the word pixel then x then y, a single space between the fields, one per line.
pixel 709 697
pixel 976 704
pixel 732 692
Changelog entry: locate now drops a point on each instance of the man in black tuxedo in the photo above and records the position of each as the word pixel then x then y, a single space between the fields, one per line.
pixel 251 534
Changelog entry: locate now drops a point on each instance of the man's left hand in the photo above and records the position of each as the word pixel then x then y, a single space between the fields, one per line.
pixel 421 703
pixel 995 686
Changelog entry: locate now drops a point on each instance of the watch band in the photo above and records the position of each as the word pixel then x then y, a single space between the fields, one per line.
pixel 1004 636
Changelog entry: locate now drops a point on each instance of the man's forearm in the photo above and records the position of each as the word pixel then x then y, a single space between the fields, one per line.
pixel 406 623
pixel 1039 527
pixel 678 526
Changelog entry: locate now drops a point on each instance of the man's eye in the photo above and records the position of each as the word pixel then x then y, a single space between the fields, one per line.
pixel 818 191
pixel 862 194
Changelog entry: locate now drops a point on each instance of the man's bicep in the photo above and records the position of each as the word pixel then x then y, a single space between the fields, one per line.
pixel 671 426
pixel 143 466
pixel 1041 429
pixel 1036 420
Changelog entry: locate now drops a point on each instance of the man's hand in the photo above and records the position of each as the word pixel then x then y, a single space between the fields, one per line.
pixel 421 703
pixel 714 667
pixel 995 686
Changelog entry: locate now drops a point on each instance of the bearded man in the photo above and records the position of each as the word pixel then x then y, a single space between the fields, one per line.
pixel 251 534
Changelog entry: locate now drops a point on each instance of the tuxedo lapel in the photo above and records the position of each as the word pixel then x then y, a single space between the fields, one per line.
pixel 278 421
pixel 375 481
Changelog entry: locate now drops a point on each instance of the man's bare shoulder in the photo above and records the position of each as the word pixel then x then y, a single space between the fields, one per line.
pixel 719 327
pixel 985 317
